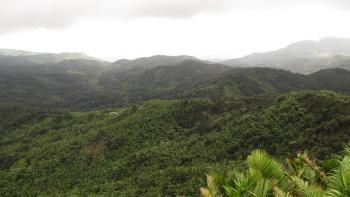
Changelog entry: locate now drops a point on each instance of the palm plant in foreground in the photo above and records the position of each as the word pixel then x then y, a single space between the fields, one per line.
pixel 299 177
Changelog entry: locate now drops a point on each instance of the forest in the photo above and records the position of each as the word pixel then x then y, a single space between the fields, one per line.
pixel 163 147
pixel 74 125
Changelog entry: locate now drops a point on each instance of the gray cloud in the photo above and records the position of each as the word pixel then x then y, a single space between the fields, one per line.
pixel 25 14
pixel 176 8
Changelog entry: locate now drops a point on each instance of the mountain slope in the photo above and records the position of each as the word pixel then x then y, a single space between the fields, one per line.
pixel 302 57
pixel 18 57
pixel 333 79
pixel 164 147
pixel 65 84
pixel 14 52
pixel 166 81
pixel 150 62
pixel 255 81
pixel 87 83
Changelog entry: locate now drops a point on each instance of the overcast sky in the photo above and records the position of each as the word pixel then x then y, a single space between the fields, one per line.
pixel 210 29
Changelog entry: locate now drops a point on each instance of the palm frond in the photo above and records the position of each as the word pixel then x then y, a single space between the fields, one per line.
pixel 262 164
pixel 266 177
pixel 205 192
pixel 212 188
pixel 239 184
pixel 304 157
pixel 305 189
pixel 277 192
pixel 263 188
pixel 338 183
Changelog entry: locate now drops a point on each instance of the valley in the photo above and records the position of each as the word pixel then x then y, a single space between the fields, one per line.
pixel 74 125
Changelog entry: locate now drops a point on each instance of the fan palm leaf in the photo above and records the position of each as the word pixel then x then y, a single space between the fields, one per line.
pixel 339 181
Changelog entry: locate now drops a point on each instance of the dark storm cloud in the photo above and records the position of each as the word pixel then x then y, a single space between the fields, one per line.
pixel 27 14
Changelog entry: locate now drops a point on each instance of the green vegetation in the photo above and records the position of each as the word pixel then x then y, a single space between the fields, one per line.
pixel 73 125
pixel 265 176
pixel 256 81
pixel 88 84
pixel 161 147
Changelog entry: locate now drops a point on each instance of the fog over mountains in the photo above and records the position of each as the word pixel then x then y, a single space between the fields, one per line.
pixel 303 57
pixel 175 98
pixel 27 57
pixel 75 125
pixel 82 81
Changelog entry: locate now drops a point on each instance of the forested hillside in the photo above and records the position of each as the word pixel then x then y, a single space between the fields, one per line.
pixel 255 81
pixel 161 147
pixel 88 84
pixel 155 126
pixel 174 98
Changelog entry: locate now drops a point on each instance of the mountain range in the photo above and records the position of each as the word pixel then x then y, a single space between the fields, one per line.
pixel 80 81
pixel 302 57
pixel 74 125
pixel 20 57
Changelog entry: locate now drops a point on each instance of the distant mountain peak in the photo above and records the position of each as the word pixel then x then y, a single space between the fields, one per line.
pixel 43 58
pixel 14 52
pixel 74 55
pixel 153 61
pixel 304 56
pixel 333 39
pixel 158 57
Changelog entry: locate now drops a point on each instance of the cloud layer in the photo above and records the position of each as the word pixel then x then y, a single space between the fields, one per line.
pixel 133 28
pixel 23 14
